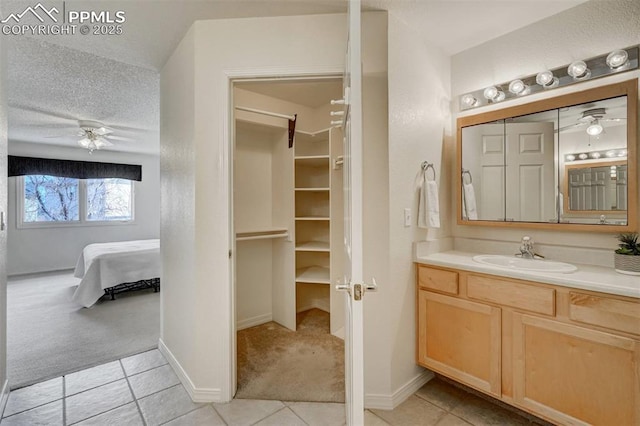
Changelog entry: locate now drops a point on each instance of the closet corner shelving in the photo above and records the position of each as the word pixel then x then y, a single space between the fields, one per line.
pixel 312 189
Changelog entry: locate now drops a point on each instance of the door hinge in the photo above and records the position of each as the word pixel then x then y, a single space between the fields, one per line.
pixel 229 254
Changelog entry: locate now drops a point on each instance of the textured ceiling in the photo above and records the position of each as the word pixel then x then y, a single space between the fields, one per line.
pixel 56 80
pixel 52 87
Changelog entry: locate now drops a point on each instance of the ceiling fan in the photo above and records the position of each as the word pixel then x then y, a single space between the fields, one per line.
pixel 593 119
pixel 95 135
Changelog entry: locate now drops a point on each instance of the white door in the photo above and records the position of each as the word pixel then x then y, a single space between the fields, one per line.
pixel 530 180
pixel 353 284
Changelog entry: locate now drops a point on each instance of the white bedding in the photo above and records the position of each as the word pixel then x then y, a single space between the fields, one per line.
pixel 108 264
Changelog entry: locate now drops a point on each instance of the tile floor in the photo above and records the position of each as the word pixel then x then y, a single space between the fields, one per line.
pixel 144 390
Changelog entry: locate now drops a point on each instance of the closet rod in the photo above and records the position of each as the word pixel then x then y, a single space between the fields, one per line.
pixel 272 114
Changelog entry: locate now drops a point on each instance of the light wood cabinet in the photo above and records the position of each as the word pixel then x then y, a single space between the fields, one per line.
pixel 569 356
pixel 461 339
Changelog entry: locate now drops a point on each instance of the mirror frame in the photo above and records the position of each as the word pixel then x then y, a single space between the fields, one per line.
pixel 627 88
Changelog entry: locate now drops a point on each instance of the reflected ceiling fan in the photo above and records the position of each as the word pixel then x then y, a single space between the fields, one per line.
pixel 95 135
pixel 593 119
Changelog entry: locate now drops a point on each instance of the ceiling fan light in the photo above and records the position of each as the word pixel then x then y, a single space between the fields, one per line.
pixel 578 70
pixel 618 59
pixel 594 129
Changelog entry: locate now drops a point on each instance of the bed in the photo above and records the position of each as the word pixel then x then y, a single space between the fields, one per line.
pixel 110 268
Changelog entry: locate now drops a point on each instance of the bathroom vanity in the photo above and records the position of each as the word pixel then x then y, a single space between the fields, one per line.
pixel 565 347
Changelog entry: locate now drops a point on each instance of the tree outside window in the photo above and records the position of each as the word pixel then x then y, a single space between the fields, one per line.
pixel 50 199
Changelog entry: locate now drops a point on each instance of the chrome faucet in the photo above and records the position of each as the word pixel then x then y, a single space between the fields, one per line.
pixel 526 248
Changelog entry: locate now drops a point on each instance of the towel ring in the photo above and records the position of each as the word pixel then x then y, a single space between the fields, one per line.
pixel 467 172
pixel 426 166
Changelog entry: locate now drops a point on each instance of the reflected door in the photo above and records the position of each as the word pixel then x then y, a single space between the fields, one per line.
pixel 530 180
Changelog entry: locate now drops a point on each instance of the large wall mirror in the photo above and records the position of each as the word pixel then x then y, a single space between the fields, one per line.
pixel 568 161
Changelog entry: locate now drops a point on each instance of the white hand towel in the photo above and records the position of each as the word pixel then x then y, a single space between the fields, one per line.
pixel 428 204
pixel 470 201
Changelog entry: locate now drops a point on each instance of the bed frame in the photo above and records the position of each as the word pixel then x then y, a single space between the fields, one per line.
pixel 153 283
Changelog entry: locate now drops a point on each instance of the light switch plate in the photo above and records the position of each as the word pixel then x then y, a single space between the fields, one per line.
pixel 407 217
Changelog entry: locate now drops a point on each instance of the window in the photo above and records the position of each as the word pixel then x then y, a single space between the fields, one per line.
pixel 108 199
pixel 48 200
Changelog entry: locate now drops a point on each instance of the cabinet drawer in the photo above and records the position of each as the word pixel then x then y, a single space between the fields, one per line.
pixel 605 312
pixel 438 279
pixel 541 300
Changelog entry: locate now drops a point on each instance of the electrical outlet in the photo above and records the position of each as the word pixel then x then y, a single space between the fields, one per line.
pixel 407 217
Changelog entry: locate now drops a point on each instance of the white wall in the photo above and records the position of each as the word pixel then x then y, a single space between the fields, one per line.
pixel 31 249
pixel 3 234
pixel 419 130
pixel 590 29
pixel 196 325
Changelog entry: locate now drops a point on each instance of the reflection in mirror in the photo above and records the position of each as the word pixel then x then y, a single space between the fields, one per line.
pixel 567 162
pixel 531 168
pixel 483 186
pixel 593 162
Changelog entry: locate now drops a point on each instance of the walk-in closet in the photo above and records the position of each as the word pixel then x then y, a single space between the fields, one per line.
pixel 288 220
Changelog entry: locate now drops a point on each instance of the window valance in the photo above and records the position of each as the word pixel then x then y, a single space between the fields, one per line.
pixel 21 166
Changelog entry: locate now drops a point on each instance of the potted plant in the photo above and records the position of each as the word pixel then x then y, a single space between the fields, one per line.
pixel 627 256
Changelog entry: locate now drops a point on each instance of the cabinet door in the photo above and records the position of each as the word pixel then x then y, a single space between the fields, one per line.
pixel 574 375
pixel 460 339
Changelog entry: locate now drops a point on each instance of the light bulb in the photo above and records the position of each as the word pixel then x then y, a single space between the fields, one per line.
pixel 490 92
pixel 610 154
pixel 547 80
pixel 594 129
pixel 622 153
pixel 578 70
pixel 493 94
pixel 617 59
pixel 570 157
pixel 583 156
pixel 595 155
pixel 517 87
pixel 469 100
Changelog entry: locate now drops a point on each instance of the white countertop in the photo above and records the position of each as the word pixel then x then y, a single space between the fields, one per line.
pixel 587 277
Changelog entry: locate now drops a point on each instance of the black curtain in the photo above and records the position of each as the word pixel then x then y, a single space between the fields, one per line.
pixel 21 166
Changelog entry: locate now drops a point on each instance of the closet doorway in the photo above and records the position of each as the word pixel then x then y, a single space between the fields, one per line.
pixel 288 222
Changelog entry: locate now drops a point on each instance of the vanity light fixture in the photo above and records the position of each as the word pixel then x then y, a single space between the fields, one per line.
pixel 547 80
pixel 517 87
pixel 594 155
pixel 579 70
pixel 469 100
pixel 617 59
pixel 614 62
pixel 493 94
pixel 595 128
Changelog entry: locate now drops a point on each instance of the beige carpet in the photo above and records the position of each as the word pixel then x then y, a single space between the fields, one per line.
pixel 304 365
pixel 48 335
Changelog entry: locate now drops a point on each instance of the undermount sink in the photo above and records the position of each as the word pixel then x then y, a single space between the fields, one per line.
pixel 516 263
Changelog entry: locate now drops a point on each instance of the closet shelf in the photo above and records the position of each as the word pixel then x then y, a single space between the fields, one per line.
pixel 313 275
pixel 262 234
pixel 313 246
pixel 312 218
pixel 311 157
pixel 313 189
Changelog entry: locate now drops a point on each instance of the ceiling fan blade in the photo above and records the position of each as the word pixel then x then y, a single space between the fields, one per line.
pixel 104 142
pixel 58 136
pixel 613 119
pixel 119 138
pixel 103 131
pixel 43 111
pixel 571 126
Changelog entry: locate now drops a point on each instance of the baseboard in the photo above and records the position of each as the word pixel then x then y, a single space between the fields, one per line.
pixel 4 397
pixel 389 402
pixel 313 305
pixel 252 322
pixel 196 394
